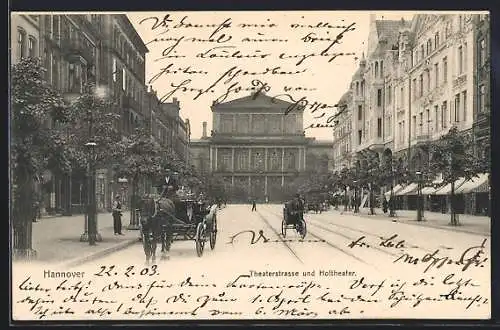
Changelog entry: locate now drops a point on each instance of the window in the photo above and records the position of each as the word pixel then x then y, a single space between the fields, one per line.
pixel 482 52
pixel 464 102
pixel 429 47
pixel 445 69
pixel 360 136
pixel 55 71
pixel 429 121
pixel 414 88
pixel 436 74
pixel 357 88
pixel 379 127
pixel 379 97
pixel 403 136
pixel 414 126
pixel 400 132
pixel 401 101
pixel 362 88
pixel 389 94
pixel 464 58
pixel 124 79
pixel 71 77
pixel 460 60
pixel 436 117
pixel 428 77
pixel 422 54
pixel 444 114
pixel 376 70
pixel 421 85
pixel 457 107
pixel 115 70
pixel 47 64
pixel 31 47
pixel 55 27
pixel 421 123
pixel 436 40
pixel 21 43
pixel 360 112
pixel 482 98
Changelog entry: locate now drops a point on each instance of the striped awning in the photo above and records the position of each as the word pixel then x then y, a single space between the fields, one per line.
pixel 395 189
pixel 428 190
pixel 445 190
pixel 477 184
pixel 408 190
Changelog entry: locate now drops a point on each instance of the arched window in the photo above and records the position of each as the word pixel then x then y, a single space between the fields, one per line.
pixel 362 88
pixel 381 68
pixel 429 46
pixel 436 40
pixel 357 88
pixel 21 43
pixel 376 69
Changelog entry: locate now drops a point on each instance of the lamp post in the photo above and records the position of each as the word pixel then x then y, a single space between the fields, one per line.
pixel 356 205
pixel 91 233
pixel 419 196
pixel 391 199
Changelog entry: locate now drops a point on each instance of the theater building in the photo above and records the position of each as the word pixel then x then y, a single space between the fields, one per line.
pixel 254 147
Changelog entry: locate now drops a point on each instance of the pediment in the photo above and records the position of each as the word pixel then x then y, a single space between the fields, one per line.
pixel 254 101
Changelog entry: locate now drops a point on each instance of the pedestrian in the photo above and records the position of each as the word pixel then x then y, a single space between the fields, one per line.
pixel 254 205
pixel 384 205
pixel 117 215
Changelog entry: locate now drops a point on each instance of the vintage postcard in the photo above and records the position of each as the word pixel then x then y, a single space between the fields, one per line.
pixel 250 165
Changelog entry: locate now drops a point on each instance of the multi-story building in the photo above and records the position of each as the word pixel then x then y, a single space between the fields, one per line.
pixel 256 149
pixel 104 49
pixel 342 137
pixel 419 79
pixel 25 36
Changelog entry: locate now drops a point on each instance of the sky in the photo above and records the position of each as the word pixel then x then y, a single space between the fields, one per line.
pixel 180 65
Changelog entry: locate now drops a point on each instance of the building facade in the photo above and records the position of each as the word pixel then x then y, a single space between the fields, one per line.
pixel 104 49
pixel 419 78
pixel 256 149
pixel 342 134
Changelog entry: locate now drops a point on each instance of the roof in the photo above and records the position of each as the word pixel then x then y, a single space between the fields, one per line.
pixel 320 143
pixel 259 100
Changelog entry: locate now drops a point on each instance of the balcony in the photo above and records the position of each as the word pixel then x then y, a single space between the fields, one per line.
pixel 420 138
pixel 75 49
pixel 459 81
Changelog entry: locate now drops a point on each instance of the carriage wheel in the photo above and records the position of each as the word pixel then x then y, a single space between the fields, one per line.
pixel 200 239
pixel 283 228
pixel 213 233
pixel 303 229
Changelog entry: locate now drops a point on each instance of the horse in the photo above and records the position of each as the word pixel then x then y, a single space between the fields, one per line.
pixel 155 225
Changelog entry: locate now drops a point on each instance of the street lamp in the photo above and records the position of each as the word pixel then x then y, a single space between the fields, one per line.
pixel 92 233
pixel 419 196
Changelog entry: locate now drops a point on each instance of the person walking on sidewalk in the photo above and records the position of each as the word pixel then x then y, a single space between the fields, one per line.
pixel 254 205
pixel 117 215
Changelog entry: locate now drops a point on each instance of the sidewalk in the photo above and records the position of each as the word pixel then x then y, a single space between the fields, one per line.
pixel 472 224
pixel 57 239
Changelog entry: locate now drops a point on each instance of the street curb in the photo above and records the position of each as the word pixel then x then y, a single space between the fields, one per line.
pixel 99 254
pixel 414 222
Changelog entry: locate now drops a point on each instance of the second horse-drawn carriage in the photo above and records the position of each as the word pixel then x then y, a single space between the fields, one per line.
pixel 176 218
pixel 293 218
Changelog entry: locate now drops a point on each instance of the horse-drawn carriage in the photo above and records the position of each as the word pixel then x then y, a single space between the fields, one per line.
pixel 293 218
pixel 181 219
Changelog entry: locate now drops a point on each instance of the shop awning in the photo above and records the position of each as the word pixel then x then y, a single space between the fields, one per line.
pixel 446 190
pixel 395 189
pixel 408 190
pixel 430 190
pixel 477 184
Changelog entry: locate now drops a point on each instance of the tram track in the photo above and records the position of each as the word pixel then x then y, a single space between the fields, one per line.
pixel 318 237
pixel 278 235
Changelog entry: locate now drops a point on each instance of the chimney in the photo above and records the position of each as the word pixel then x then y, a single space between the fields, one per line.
pixel 204 136
pixel 175 101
